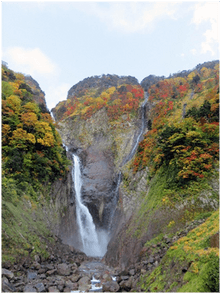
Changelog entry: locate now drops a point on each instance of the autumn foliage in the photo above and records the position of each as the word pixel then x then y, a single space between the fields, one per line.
pixel 184 128
pixel 32 150
pixel 124 99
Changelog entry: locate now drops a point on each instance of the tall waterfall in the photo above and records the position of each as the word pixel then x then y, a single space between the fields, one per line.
pixel 92 246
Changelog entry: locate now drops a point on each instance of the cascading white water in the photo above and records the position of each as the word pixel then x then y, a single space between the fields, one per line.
pixel 141 129
pixel 95 242
pixel 88 233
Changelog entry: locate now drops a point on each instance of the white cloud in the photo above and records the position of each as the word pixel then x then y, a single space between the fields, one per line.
pixel 127 16
pixel 30 61
pixel 208 12
pixel 131 16
pixel 193 51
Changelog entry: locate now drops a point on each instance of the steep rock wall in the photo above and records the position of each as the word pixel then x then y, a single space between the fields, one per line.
pixel 102 150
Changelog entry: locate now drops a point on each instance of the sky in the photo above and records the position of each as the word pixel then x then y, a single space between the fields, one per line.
pixel 62 43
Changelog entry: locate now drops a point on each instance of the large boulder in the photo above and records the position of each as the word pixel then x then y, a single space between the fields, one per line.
pixel 64 269
pixel 111 286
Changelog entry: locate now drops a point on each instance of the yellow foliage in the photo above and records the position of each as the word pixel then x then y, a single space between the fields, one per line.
pixel 89 100
pixel 5 129
pixel 84 110
pixel 48 140
pixel 171 224
pixel 29 119
pixel 193 134
pixel 105 95
pixel 130 96
pixel 111 90
pixel 117 102
pixel 191 75
pixel 14 102
pixel 46 117
pixel 19 76
pixel 31 138
pixel 31 107
pixel 205 72
pixel 99 100
pixel 18 138
pixel 42 127
pixel 14 85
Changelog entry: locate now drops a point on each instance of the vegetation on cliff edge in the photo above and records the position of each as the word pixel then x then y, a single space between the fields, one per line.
pixel 32 158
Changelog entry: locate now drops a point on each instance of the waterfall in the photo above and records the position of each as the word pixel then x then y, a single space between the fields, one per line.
pixel 87 229
pixel 131 154
pixel 129 157
pixel 94 242
pixel 141 129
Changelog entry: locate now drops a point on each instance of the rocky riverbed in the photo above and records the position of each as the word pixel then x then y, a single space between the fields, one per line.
pixel 70 270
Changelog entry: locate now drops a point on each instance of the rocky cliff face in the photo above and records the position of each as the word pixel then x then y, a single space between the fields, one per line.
pixel 102 149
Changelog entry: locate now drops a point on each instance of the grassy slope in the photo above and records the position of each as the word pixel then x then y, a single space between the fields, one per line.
pixel 191 264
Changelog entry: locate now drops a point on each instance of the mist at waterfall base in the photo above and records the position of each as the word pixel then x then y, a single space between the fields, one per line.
pixel 94 242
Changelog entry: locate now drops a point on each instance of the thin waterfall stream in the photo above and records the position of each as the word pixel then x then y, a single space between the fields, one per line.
pixel 129 157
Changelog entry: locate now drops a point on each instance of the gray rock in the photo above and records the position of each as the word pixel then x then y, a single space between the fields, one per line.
pixel 67 290
pixel 75 278
pixel 84 284
pixel 69 284
pixel 110 286
pixel 53 289
pixel 40 287
pixel 64 269
pixel 37 258
pixel 107 277
pixel 132 272
pixel 29 288
pixel 49 267
pixel 6 286
pixel 42 270
pixel 126 284
pixel 36 265
pixel 31 276
pixel 51 272
pixel 7 273
pixel 151 260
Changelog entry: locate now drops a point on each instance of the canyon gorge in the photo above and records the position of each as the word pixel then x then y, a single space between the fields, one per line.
pixel 128 205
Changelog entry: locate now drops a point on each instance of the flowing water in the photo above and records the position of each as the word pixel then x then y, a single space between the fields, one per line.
pixel 94 242
pixel 129 157
pixel 141 130
pixel 89 236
